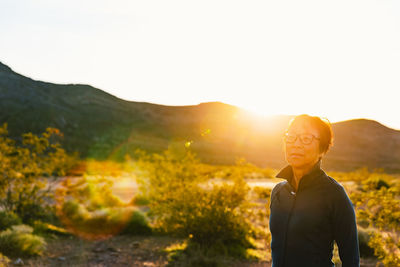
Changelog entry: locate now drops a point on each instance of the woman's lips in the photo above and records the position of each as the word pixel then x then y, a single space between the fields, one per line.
pixel 296 155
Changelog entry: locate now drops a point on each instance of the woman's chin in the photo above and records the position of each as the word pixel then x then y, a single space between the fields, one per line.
pixel 296 162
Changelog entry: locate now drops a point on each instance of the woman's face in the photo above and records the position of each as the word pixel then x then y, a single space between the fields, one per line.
pixel 298 154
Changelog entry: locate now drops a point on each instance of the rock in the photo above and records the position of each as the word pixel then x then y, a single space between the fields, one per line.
pixel 135 244
pixel 61 258
pixel 98 249
pixel 112 249
pixel 18 262
pixel 102 247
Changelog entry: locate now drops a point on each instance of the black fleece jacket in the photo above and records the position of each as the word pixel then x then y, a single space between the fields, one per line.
pixel 305 223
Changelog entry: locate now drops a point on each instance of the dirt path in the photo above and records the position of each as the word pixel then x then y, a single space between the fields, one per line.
pixel 116 251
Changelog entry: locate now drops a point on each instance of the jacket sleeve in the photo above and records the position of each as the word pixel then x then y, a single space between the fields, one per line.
pixel 274 193
pixel 345 229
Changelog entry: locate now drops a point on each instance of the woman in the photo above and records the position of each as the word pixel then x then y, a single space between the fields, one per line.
pixel 310 210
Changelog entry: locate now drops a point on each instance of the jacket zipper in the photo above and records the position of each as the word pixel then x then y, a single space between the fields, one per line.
pixel 293 193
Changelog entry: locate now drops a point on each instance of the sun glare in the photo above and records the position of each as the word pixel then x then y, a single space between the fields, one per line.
pixel 256 119
pixel 256 113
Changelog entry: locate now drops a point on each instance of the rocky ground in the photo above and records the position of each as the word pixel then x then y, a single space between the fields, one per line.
pixel 120 251
pixel 116 251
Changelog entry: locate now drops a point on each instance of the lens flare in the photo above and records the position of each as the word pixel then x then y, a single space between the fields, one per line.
pixel 89 209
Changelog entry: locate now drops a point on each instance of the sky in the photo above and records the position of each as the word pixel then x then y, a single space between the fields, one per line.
pixel 335 59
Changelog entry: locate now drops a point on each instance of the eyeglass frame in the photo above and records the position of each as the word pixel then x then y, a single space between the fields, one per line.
pixel 300 138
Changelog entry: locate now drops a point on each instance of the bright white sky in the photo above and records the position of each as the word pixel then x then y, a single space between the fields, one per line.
pixel 338 59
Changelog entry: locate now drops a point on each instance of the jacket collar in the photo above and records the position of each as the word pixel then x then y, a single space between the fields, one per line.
pixel 287 173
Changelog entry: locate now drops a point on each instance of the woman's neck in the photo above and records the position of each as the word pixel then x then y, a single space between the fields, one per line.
pixel 299 173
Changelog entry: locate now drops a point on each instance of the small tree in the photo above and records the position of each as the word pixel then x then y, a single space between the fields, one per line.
pixel 24 166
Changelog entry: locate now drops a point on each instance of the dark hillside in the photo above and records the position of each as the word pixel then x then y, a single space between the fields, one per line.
pixel 100 125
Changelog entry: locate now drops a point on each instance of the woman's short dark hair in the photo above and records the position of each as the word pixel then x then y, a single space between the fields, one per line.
pixel 323 126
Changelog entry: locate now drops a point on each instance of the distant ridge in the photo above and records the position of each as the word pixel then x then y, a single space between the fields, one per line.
pixel 5 68
pixel 100 125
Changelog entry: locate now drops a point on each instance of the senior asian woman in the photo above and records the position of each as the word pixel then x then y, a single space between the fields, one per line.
pixel 310 210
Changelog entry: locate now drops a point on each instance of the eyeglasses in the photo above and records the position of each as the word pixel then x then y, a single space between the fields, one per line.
pixel 305 139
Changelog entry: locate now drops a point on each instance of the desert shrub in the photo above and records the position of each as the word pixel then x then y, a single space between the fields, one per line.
pixel 46 229
pixel 183 203
pixel 92 191
pixel 363 219
pixel 27 168
pixel 361 175
pixel 94 224
pixel 374 183
pixel 363 240
pixel 8 219
pixel 386 248
pixel 140 200
pixel 32 212
pixel 88 208
pixel 18 241
pixel 137 225
pixel 103 168
pixel 215 218
pixel 4 260
pixel 189 253
pixel 378 207
pixel 247 170
pixel 193 254
pixel 262 192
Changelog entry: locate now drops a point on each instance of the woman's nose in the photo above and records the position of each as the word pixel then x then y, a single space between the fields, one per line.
pixel 297 142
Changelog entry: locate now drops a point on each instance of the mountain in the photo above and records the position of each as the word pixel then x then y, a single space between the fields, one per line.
pixel 365 143
pixel 101 126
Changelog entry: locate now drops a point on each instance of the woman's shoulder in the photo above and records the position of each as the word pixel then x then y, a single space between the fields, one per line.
pixel 336 189
pixel 332 182
pixel 279 185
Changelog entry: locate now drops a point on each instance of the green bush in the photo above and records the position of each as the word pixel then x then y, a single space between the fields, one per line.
pixel 87 207
pixel 214 219
pixel 34 211
pixel 363 240
pixel 375 183
pixel 137 225
pixel 192 254
pixel 140 201
pixel 26 169
pixel 8 219
pixel 183 203
pixel 262 192
pixel 94 224
pixel 378 208
pixel 4 260
pixel 18 241
pixel 44 229
pixel 386 247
